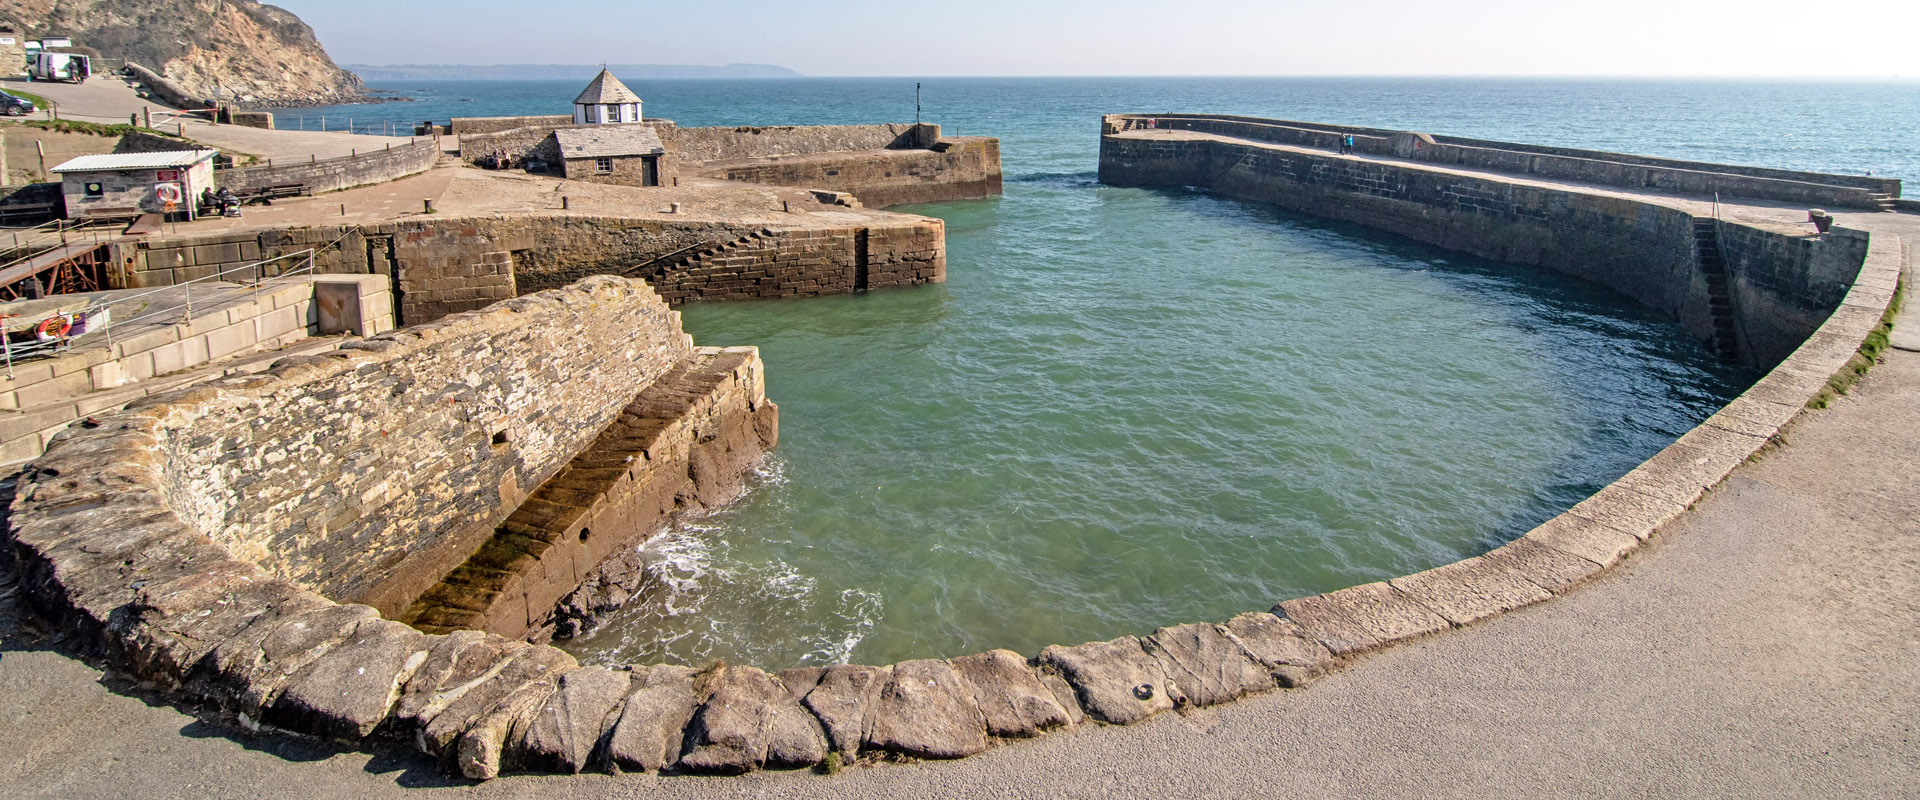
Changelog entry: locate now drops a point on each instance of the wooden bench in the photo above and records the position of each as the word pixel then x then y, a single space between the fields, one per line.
pixel 127 214
pixel 265 195
pixel 27 212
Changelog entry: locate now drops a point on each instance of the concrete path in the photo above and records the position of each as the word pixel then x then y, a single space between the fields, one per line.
pixel 1764 646
pixel 111 100
pixel 102 99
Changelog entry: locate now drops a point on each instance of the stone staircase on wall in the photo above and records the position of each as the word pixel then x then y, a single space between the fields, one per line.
pixel 739 251
pixel 638 471
pixel 1884 201
pixel 1706 242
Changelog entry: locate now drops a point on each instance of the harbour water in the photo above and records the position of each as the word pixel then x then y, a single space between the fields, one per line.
pixel 1129 408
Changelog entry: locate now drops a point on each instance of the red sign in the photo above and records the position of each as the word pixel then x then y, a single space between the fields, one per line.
pixel 167 175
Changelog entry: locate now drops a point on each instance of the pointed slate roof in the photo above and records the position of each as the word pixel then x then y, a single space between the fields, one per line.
pixel 605 90
pixel 595 141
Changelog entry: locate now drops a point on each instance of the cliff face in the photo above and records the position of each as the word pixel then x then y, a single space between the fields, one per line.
pixel 256 54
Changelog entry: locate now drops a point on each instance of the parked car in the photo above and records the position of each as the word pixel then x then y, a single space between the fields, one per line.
pixel 15 106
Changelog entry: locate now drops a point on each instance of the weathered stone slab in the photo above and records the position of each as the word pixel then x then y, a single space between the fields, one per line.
pixel 451 663
pixel 1064 695
pixel 245 673
pixel 800 680
pixel 750 720
pixel 927 710
pixel 1554 570
pixel 1582 537
pixel 844 700
pixel 1208 665
pixel 171 626
pixel 1010 696
pixel 648 733
pixel 481 750
pixel 1755 417
pixel 1470 590
pixel 1116 681
pixel 349 690
pixel 567 732
pixel 1282 646
pixel 1679 474
pixel 1361 618
pixel 520 667
pixel 1628 510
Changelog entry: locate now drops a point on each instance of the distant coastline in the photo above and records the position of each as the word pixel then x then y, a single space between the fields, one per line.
pixel 498 72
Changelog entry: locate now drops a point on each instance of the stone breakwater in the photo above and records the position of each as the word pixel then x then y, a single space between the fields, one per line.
pixel 1763 288
pixel 106 555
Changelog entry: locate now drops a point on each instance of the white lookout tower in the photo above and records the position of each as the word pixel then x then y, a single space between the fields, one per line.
pixel 606 101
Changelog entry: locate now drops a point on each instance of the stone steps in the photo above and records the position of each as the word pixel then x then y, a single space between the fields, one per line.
pixel 1706 247
pixel 463 599
pixel 1884 201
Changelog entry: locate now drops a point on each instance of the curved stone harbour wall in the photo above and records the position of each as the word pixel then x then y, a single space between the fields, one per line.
pixel 1782 283
pixel 1643 173
pixel 105 554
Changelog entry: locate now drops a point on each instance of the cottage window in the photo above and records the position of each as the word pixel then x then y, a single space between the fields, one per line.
pixel 603 166
pixel 593 113
pixel 96 189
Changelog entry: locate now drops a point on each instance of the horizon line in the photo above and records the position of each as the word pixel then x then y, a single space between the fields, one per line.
pixel 1795 76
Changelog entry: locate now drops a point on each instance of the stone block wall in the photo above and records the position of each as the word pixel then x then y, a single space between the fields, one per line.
pixel 694 145
pixel 1642 250
pixel 534 140
pixel 1591 166
pixel 809 262
pixel 361 473
pixel 1783 286
pixel 46 395
pixel 682 445
pixel 334 174
pixel 444 266
pixel 463 126
pixel 953 169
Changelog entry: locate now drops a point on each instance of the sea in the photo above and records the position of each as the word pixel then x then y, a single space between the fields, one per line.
pixel 1131 408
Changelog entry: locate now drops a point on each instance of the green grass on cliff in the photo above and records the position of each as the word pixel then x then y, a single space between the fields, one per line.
pixel 75 126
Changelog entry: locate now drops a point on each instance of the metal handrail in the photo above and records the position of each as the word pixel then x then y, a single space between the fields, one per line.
pixel 186 306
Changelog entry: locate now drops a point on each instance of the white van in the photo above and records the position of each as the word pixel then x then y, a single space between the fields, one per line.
pixel 71 67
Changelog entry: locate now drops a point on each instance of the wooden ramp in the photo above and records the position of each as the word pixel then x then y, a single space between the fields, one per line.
pixel 24 269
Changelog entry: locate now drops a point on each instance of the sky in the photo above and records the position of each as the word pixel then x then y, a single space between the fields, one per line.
pixel 1829 38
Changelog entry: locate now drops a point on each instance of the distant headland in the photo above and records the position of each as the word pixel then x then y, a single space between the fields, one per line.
pixel 495 72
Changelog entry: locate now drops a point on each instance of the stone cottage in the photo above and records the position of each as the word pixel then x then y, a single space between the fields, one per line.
pixel 629 155
pixel 129 184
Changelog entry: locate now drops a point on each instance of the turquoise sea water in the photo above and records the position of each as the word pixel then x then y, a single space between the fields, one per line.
pixel 1130 408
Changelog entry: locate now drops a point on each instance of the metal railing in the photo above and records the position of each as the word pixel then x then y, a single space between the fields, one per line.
pixel 183 310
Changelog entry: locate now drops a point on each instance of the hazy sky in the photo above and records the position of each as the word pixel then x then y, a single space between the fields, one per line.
pixel 1860 38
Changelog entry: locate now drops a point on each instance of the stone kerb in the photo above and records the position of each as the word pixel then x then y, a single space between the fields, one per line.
pixel 105 556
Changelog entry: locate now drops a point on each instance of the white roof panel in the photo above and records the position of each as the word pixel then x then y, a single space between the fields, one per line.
pixel 132 161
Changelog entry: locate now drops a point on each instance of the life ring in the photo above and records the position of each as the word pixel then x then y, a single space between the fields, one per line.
pixel 53 327
pixel 168 193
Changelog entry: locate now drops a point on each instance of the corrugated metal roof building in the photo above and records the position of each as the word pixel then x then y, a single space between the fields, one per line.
pixel 127 184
